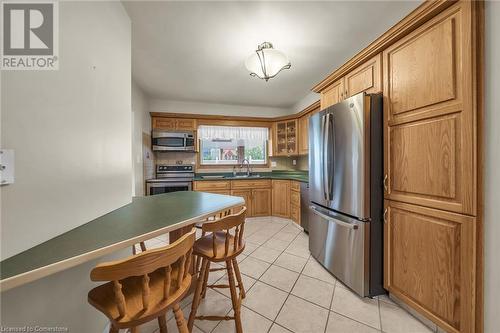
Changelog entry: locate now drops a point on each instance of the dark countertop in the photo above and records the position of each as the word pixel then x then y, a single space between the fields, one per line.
pixel 142 219
pixel 301 176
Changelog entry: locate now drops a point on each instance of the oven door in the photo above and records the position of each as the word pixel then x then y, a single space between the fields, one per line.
pixel 153 188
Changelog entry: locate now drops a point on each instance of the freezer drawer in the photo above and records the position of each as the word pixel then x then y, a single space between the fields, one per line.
pixel 341 244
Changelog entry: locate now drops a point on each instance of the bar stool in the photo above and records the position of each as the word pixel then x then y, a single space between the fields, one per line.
pixel 145 286
pixel 220 245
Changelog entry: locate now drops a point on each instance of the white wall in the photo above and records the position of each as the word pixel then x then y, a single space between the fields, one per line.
pixel 141 123
pixel 162 105
pixel 491 172
pixel 71 131
pixel 305 102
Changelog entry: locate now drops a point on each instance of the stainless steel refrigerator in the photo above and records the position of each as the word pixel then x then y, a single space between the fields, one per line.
pixel 346 196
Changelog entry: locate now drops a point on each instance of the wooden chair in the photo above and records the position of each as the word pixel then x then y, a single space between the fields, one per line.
pixel 221 244
pixel 145 286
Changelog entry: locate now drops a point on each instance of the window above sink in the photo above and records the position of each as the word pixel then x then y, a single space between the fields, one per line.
pixel 228 145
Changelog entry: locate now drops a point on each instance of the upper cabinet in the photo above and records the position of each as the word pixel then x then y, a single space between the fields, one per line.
pixel 181 124
pixel 304 134
pixel 333 94
pixel 367 77
pixel 429 115
pixel 286 137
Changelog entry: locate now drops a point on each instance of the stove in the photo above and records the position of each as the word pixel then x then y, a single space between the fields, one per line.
pixel 171 178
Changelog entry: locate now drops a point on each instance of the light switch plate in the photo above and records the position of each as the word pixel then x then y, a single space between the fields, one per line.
pixel 6 166
pixel 273 164
pixel 294 162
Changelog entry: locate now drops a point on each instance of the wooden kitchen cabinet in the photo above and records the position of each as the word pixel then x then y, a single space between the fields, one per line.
pixel 212 185
pixel 261 202
pixel 281 198
pixel 367 78
pixel 364 78
pixel 181 124
pixel 286 137
pixel 164 123
pixel 430 125
pixel 304 134
pixel 247 196
pixel 333 94
pixel 295 201
pixel 429 260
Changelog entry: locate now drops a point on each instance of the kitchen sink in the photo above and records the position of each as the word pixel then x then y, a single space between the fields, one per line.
pixel 247 176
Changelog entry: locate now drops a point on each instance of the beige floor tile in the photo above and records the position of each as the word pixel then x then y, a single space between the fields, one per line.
pixel 285 236
pixel 281 278
pixel 278 329
pixel 386 299
pixel 213 304
pixel 252 323
pixel 351 305
pixel 249 248
pixel 266 254
pixel 290 228
pixel 298 249
pixel 253 267
pixel 248 282
pixel 215 275
pixel 276 244
pixel 291 262
pixel 314 290
pixel 265 300
pixel 315 270
pixel 260 237
pixel 300 316
pixel 397 320
pixel 341 324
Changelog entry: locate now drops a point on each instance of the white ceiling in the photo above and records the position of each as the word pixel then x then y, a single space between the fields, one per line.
pixel 195 51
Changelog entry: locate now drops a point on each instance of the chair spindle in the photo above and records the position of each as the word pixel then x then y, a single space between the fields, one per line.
pixel 119 297
pixel 145 291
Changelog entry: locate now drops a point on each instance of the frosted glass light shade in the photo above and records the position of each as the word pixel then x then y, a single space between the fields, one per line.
pixel 267 62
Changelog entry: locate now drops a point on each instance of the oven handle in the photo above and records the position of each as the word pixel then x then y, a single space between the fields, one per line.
pixel 331 219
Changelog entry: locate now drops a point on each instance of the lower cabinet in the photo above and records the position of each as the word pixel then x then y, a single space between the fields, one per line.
pixel 295 202
pixel 281 198
pixel 246 195
pixel 261 202
pixel 429 257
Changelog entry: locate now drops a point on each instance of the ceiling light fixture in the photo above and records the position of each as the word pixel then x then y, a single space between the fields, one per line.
pixel 267 62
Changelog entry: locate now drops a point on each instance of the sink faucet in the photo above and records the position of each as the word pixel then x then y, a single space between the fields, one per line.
pixel 248 166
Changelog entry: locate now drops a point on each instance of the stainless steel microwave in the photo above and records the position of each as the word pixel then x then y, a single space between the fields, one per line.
pixel 172 141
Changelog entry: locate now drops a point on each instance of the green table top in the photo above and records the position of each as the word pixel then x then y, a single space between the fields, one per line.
pixel 142 219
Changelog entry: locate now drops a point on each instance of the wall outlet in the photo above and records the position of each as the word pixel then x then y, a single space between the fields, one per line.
pixel 6 166
pixel 294 162
pixel 273 164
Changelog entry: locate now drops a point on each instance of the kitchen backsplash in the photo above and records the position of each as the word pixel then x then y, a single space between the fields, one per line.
pixel 282 162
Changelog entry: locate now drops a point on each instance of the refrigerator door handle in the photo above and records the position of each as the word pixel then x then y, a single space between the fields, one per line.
pixel 324 156
pixel 329 218
pixel 327 162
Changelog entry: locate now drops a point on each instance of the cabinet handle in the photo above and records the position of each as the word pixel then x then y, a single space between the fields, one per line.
pixel 385 216
pixel 385 182
pixel 346 94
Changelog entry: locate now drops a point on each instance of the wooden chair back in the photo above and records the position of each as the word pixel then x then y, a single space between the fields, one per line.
pixel 144 263
pixel 226 224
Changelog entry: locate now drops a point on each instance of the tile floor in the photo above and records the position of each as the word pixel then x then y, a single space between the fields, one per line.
pixel 288 291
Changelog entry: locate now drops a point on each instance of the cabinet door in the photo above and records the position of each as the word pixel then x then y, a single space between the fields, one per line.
pixel 261 202
pixel 280 139
pixel 367 78
pixel 304 134
pixel 333 94
pixel 429 263
pixel 281 198
pixel 295 213
pixel 430 125
pixel 164 123
pixel 292 137
pixel 247 196
pixel 186 124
